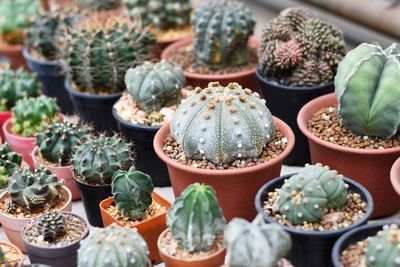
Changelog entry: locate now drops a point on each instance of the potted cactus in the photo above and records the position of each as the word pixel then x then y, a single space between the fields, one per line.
pixel 356 132
pixel 10 255
pixel 395 176
pixel 10 162
pixel 134 204
pixel 195 230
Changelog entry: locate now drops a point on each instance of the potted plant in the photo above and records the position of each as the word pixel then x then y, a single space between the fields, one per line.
pixel 298 59
pixel 29 194
pixel 316 206
pixel 10 255
pixel 195 230
pixel 10 162
pixel 251 143
pixel 134 204
pixel 356 132
pixel 395 176
pixel 55 146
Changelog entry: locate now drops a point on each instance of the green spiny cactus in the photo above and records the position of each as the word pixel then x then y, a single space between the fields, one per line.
pixel 132 192
pixel 2 256
pixel 195 218
pixel 155 86
pixel 10 162
pixel 222 124
pixel 114 246
pixel 51 225
pixel 100 5
pixel 368 92
pixel 222 29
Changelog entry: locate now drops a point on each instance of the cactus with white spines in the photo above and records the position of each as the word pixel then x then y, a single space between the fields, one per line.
pixel 51 225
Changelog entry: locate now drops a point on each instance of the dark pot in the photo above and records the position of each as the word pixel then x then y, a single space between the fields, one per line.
pixel 146 159
pixel 313 248
pixel 52 78
pixel 285 102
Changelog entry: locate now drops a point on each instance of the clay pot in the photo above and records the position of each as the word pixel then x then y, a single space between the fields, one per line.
pixel 234 191
pixel 4 115
pixel 14 53
pixel 371 168
pixel 150 229
pixel 8 248
pixel 395 176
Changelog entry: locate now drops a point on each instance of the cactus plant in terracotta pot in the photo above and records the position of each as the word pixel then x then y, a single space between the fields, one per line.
pixel 395 176
pixel 10 255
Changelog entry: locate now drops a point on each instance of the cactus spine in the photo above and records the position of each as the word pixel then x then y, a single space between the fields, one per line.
pixel 10 162
pixel 51 225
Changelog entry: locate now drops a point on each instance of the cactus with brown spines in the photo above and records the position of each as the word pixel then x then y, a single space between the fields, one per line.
pixel 51 225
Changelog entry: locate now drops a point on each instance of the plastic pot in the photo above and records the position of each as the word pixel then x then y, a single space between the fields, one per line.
pixel 395 176
pixel 4 115
pixel 369 167
pixel 14 53
pixel 8 248
pixel 312 248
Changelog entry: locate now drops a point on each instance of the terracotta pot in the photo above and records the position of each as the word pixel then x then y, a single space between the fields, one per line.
pixel 215 260
pixel 13 226
pixel 62 172
pixel 395 176
pixel 371 168
pixel 10 248
pixel 234 191
pixel 149 229
pixel 14 53
pixel 4 115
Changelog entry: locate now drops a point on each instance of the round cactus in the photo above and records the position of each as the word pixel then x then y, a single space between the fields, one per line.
pixel 51 225
pixel 10 162
pixel 100 5
pixel 222 124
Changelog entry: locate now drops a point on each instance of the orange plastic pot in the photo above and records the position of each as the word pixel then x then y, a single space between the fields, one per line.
pixel 14 53
pixel 235 189
pixel 371 168
pixel 10 248
pixel 395 176
pixel 4 115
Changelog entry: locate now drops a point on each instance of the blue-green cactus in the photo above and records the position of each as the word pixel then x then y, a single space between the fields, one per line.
pixel 51 225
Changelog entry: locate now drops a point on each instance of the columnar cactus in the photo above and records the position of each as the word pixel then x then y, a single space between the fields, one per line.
pixel 155 86
pixel 195 218
pixel 222 29
pixel 366 87
pixel 100 5
pixel 10 162
pixel 222 124
pixel 51 225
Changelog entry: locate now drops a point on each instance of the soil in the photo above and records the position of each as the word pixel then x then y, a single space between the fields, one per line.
pixel 281 263
pixel 12 256
pixel 45 163
pixel 172 34
pixel 354 255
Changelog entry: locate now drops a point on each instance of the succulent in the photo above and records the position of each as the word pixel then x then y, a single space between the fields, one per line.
pixel 2 256
pixel 222 29
pixel 155 86
pixel 297 49
pixel 195 218
pixel 383 249
pixel 100 5
pixel 222 124
pixel 114 246
pixel 366 87
pixel 51 225
pixel 10 162
pixel 132 192
pixel 304 196
pixel 255 244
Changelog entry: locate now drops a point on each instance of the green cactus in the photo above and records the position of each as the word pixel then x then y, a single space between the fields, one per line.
pixel 2 256
pixel 114 246
pixel 195 218
pixel 51 225
pixel 100 5
pixel 366 87
pixel 222 124
pixel 10 162
pixel 222 29
pixel 155 86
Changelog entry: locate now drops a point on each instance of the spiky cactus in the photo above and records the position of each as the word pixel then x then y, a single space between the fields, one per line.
pixel 132 192
pixel 114 246
pixel 195 218
pixel 222 29
pixel 368 92
pixel 100 5
pixel 51 225
pixel 10 162
pixel 155 86
pixel 222 124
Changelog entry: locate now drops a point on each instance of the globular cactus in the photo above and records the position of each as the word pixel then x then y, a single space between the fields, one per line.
pixel 195 218
pixel 97 159
pixel 222 30
pixel 155 86
pixel 222 124
pixel 10 162
pixel 100 5
pixel 368 92
pixel 132 192
pixel 113 246
pixel 51 225
pixel 255 244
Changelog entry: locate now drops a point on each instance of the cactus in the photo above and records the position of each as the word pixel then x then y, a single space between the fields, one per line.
pixel 100 5
pixel 2 256
pixel 222 124
pixel 10 162
pixel 298 49
pixel 222 29
pixel 132 192
pixel 366 87
pixel 114 246
pixel 51 225
pixel 195 218
pixel 255 244
pixel 155 86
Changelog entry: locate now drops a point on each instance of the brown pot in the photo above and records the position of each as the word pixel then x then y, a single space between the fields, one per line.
pixel 16 259
pixel 371 168
pixel 14 53
pixel 235 189
pixel 395 176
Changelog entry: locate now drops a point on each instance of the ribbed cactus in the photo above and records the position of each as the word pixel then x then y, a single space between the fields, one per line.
pixel 368 92
pixel 10 162
pixel 51 225
pixel 255 244
pixel 100 5
pixel 113 246
pixel 195 218
pixel 132 192
pixel 222 124
pixel 155 86
pixel 222 29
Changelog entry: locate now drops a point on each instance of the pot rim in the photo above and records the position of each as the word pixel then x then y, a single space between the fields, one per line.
pixel 395 176
pixel 14 247
pixel 68 86
pixel 28 56
pixel 89 185
pixel 6 113
pixel 35 153
pixel 128 124
pixel 11 47
pixel 7 124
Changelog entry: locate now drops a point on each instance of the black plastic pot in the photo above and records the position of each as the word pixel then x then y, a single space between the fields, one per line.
pixel 146 159
pixel 312 248
pixel 285 103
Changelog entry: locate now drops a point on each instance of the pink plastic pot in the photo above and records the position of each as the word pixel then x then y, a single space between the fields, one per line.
pixel 395 176
pixel 4 115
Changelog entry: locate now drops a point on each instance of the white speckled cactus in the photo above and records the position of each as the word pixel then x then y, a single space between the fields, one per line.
pixel 383 250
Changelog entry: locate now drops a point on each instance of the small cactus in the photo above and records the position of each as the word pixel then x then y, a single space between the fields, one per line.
pixel 51 225
pixel 100 5
pixel 10 162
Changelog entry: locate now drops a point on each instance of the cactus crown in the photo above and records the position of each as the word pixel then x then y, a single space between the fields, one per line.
pixel 100 5
pixel 383 249
pixel 297 49
pixel 51 225
pixel 369 76
pixel 222 124
pixel 195 218
pixel 10 162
